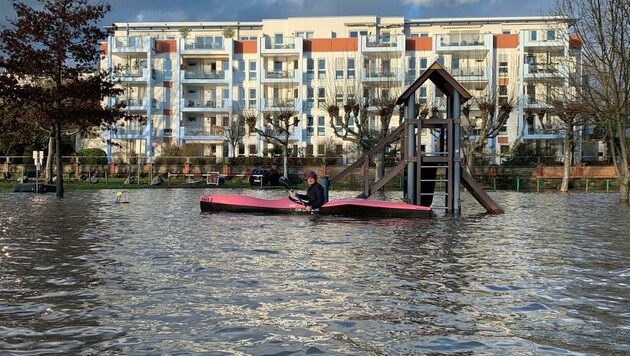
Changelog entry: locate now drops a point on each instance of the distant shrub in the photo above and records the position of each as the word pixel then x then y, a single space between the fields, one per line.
pixel 92 156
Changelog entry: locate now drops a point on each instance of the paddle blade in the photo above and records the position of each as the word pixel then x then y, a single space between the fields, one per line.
pixel 284 181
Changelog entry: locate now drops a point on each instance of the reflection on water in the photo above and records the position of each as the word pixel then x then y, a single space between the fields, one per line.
pixel 83 275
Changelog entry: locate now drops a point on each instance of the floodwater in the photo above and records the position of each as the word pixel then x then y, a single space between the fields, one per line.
pixel 85 276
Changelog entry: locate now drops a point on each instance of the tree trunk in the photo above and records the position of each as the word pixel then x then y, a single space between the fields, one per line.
pixel 566 172
pixel 379 162
pixel 285 162
pixel 49 160
pixel 59 159
pixel 624 189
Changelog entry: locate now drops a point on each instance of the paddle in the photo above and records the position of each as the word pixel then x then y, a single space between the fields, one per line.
pixel 284 181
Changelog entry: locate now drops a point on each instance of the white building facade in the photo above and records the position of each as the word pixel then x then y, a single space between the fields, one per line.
pixel 189 80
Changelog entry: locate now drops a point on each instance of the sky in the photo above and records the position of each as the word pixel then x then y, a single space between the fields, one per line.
pixel 256 10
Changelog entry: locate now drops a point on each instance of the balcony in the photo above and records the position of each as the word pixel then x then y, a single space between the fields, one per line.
pixel 138 104
pixel 381 75
pixel 281 76
pixel 205 76
pixel 463 42
pixel 278 105
pixel 470 74
pixel 544 70
pixel 214 133
pixel 380 44
pixel 542 39
pixel 201 105
pixel 533 101
pixel 130 130
pixel 284 45
pixel 206 45
pixel 134 75
pixel 132 45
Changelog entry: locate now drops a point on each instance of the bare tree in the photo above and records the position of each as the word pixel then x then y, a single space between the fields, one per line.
pixel 477 130
pixel 603 28
pixel 350 117
pixel 571 113
pixel 234 132
pixel 276 127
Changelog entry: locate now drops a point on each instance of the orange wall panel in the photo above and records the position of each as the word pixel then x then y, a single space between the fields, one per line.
pixel 418 44
pixel 331 45
pixel 167 84
pixel 504 81
pixel 502 139
pixel 167 112
pixel 104 47
pixel 505 41
pixel 245 46
pixel 166 46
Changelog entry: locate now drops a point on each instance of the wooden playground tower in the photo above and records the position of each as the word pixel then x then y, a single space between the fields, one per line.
pixel 420 167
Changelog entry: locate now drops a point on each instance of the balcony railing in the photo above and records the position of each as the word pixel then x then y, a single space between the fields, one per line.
pixel 129 129
pixel 209 104
pixel 131 41
pixel 381 41
pixel 461 40
pixel 204 74
pixel 202 130
pixel 285 43
pixel 279 74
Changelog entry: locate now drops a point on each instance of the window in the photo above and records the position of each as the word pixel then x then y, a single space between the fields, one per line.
pixel 411 69
pixel 310 94
pixel 321 126
pixel 252 149
pixel 551 35
pixel 503 65
pixel 506 32
pixel 241 70
pixel 321 68
pixel 309 126
pixel 252 70
pixel 424 34
pixel 351 72
pixel 278 40
pixel 241 97
pixel 386 37
pixel 503 94
pixel 423 95
pixel 321 97
pixel 339 98
pixel 310 69
pixel 533 35
pixel 338 68
pixel 355 34
pixel 252 98
pixel 423 63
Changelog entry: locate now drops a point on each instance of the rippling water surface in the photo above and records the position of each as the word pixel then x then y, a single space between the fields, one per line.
pixel 82 275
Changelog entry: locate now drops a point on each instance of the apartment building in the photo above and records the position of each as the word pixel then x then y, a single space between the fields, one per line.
pixel 189 80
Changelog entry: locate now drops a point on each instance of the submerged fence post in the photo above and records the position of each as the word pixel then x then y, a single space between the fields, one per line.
pixel 607 185
pixel 518 184
pixel 538 184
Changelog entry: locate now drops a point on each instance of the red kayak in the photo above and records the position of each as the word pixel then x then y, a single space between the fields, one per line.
pixel 345 207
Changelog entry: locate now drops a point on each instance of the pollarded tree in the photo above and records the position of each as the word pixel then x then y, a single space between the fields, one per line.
pixel 234 132
pixel 51 51
pixel 572 114
pixel 275 128
pixel 476 131
pixel 351 122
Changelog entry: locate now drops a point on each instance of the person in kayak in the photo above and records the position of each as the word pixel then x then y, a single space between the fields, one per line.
pixel 314 197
